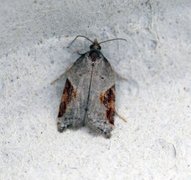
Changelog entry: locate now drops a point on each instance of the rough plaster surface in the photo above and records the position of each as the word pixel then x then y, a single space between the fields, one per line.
pixel 155 98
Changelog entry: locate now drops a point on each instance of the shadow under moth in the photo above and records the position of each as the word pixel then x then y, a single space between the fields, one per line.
pixel 88 97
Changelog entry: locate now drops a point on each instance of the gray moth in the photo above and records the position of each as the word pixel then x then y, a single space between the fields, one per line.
pixel 88 98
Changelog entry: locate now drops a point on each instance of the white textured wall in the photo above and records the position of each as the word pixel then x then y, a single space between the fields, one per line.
pixel 155 143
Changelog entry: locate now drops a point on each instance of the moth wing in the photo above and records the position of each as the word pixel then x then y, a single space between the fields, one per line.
pixel 71 109
pixel 101 110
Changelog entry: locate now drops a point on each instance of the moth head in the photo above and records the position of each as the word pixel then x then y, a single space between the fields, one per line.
pixel 95 45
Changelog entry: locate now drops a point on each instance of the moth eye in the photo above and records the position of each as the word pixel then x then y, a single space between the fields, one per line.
pixel 102 77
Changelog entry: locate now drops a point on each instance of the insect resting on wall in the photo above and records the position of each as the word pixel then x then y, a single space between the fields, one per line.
pixel 88 97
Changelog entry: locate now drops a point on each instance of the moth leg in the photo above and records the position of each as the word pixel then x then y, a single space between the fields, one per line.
pixel 57 78
pixel 80 53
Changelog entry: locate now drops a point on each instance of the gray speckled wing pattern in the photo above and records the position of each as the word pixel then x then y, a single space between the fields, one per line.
pixel 88 98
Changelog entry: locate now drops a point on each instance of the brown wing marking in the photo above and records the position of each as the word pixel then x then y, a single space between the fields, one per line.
pixel 108 99
pixel 68 95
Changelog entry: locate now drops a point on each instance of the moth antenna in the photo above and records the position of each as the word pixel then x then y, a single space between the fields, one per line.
pixel 77 38
pixel 122 39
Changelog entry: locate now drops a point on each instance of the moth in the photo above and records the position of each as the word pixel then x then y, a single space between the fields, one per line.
pixel 88 97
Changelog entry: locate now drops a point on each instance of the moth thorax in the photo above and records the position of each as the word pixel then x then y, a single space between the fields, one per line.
pixel 94 56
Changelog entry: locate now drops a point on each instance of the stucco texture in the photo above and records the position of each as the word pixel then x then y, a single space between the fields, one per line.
pixel 153 89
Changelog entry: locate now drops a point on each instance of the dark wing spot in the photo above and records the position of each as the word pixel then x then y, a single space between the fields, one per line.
pixel 108 99
pixel 68 94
